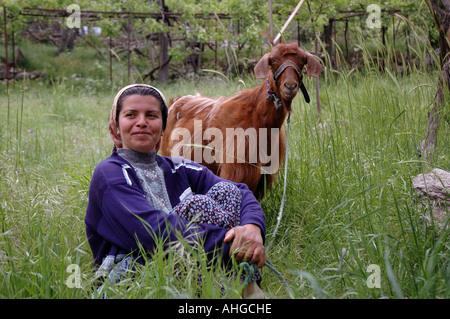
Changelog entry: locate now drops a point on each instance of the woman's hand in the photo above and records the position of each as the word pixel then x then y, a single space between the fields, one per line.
pixel 247 244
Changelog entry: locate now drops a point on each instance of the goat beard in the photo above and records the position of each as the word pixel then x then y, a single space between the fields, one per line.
pixel 288 97
pixel 287 101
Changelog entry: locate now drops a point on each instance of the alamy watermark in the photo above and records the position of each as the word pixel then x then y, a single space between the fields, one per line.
pixel 74 279
pixel 373 21
pixel 374 279
pixel 240 146
pixel 74 19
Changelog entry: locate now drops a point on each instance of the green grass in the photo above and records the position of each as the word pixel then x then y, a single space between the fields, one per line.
pixel 349 201
pixel 349 187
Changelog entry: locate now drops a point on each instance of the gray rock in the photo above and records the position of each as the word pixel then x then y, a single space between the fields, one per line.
pixel 433 191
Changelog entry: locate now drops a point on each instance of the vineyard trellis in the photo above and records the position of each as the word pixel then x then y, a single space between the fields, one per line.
pixel 329 29
pixel 95 16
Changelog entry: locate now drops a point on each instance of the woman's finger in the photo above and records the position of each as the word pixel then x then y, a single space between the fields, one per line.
pixel 229 235
pixel 259 257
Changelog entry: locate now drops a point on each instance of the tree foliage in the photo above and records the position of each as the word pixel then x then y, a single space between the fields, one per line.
pixel 238 28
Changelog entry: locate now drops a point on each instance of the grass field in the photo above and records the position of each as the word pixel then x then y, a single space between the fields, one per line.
pixel 350 211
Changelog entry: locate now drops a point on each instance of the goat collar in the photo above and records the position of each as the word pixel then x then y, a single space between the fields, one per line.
pixel 276 101
pixel 280 70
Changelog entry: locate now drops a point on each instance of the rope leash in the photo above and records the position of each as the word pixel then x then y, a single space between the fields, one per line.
pixel 283 199
pixel 251 269
pixel 269 264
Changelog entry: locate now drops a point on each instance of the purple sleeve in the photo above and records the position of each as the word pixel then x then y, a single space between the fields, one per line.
pixel 126 218
pixel 251 211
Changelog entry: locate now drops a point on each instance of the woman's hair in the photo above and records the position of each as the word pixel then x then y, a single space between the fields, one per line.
pixel 143 91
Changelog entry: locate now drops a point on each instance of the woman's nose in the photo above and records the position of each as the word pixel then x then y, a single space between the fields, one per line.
pixel 141 121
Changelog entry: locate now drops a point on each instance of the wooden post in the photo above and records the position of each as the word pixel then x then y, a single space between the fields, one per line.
pixel 393 30
pixel 408 53
pixel 346 41
pixel 128 42
pixel 334 47
pixel 240 46
pixel 13 45
pixel 270 22
pixel 328 39
pixel 110 60
pixel 319 109
pixel 215 47
pixel 427 146
pixel 164 58
pixel 6 48
pixel 151 55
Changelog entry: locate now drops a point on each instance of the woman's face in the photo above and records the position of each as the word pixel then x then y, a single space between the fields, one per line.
pixel 140 123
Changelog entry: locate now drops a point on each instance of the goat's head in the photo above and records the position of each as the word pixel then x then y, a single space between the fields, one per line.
pixel 285 64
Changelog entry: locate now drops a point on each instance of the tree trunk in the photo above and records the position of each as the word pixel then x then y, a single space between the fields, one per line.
pixel 346 41
pixel 150 52
pixel 442 20
pixel 319 109
pixel 429 143
pixel 163 73
pixel 328 39
pixel 408 54
pixel 6 47
pixel 67 41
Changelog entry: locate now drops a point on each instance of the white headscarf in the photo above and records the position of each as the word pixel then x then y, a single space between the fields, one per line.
pixel 113 125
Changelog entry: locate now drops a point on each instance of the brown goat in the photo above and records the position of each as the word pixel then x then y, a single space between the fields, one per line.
pixel 248 144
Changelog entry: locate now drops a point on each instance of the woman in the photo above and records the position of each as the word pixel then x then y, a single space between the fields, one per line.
pixel 136 195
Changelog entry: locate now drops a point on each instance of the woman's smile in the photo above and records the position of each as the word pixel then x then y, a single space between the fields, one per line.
pixel 141 133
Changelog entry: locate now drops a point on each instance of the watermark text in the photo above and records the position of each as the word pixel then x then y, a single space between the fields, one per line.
pixel 373 21
pixel 239 146
pixel 74 19
pixel 374 279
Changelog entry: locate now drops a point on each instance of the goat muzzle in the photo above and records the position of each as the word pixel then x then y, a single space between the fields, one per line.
pixel 289 64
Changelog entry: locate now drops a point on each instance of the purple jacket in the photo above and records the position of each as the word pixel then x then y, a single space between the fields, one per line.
pixel 118 216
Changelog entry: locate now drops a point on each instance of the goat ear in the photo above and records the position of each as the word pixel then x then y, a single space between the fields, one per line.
pixel 262 67
pixel 313 66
